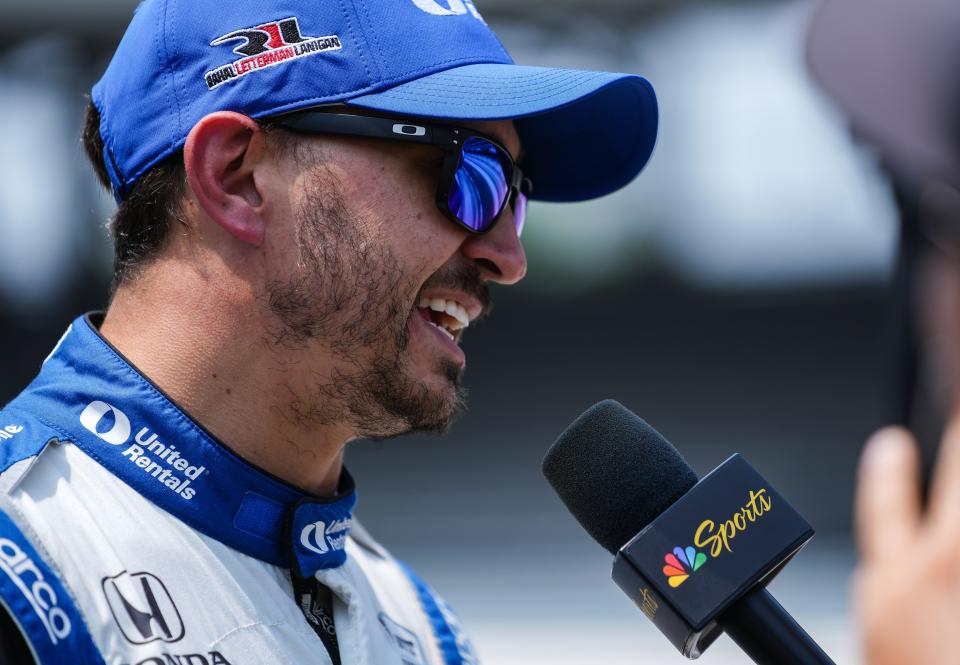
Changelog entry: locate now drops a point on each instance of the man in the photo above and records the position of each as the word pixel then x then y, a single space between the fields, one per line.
pixel 313 199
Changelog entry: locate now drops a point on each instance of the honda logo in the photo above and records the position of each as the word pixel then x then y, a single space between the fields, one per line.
pixel 143 608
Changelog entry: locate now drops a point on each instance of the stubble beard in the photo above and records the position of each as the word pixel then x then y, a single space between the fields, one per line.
pixel 351 297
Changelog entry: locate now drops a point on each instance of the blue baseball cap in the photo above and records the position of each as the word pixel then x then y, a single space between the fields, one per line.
pixel 585 134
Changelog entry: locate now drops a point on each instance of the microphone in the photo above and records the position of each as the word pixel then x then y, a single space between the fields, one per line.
pixel 695 556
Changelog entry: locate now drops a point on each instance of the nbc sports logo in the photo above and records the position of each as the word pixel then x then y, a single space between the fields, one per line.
pixel 681 563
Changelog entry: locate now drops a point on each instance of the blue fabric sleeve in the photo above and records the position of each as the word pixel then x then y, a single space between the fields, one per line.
pixel 40 605
pixel 453 641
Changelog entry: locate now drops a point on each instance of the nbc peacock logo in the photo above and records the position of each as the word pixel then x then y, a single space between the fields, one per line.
pixel 681 563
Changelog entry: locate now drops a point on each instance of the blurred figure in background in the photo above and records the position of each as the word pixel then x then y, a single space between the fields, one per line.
pixel 893 66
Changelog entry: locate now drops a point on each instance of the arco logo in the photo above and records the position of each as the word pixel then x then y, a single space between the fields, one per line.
pixel 681 563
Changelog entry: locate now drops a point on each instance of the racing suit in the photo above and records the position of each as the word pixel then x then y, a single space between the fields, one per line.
pixel 130 535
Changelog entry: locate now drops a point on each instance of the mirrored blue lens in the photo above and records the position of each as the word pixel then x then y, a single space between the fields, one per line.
pixel 481 184
pixel 520 213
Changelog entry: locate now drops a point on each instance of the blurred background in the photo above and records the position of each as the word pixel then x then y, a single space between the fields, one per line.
pixel 737 296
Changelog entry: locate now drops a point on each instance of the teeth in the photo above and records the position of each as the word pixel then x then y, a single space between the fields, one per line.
pixel 451 308
pixel 447 333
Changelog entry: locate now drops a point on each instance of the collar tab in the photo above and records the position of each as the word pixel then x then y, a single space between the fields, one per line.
pixel 319 531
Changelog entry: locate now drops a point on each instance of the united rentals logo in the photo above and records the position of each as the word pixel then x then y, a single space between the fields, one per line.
pixel 143 608
pixel 716 537
pixel 265 46
pixel 154 457
pixel 320 538
pixel 681 563
pixel 96 413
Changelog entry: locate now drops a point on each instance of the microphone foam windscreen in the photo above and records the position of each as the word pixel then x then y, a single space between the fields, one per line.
pixel 615 473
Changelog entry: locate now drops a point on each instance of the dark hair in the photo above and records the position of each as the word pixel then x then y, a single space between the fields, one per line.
pixel 144 218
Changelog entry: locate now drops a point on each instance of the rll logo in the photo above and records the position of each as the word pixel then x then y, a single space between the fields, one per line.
pixel 267 45
pixel 264 38
pixel 143 608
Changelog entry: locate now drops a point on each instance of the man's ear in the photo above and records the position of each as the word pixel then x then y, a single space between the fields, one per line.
pixel 220 155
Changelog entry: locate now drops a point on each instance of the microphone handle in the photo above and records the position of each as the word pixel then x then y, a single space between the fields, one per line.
pixel 768 634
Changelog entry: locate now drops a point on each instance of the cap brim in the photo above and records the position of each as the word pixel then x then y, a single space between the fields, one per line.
pixel 585 134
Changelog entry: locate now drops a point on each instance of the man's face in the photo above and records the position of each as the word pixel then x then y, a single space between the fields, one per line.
pixel 361 261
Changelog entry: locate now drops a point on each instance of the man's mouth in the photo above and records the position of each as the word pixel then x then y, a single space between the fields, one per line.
pixel 448 316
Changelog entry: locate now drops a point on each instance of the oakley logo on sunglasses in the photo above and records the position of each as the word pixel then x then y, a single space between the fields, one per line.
pixel 265 46
pixel 409 130
pixel 453 8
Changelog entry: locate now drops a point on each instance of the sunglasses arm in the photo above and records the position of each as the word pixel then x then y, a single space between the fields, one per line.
pixel 371 127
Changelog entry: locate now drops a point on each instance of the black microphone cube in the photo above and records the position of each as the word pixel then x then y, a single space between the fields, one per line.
pixel 729 533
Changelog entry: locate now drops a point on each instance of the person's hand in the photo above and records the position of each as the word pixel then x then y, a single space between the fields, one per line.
pixel 906 589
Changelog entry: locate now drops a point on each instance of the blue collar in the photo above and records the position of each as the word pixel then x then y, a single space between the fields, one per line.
pixel 90 394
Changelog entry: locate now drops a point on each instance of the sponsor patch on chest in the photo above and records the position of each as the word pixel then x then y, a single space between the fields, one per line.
pixel 406 643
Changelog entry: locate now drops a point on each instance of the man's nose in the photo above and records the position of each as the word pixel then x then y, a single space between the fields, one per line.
pixel 499 254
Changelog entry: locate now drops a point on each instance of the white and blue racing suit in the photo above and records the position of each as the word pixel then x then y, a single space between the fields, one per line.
pixel 130 535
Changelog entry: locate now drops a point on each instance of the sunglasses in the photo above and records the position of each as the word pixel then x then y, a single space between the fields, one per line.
pixel 478 178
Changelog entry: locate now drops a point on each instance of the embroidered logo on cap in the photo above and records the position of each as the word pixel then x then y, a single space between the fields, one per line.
pixel 265 46
pixel 452 8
